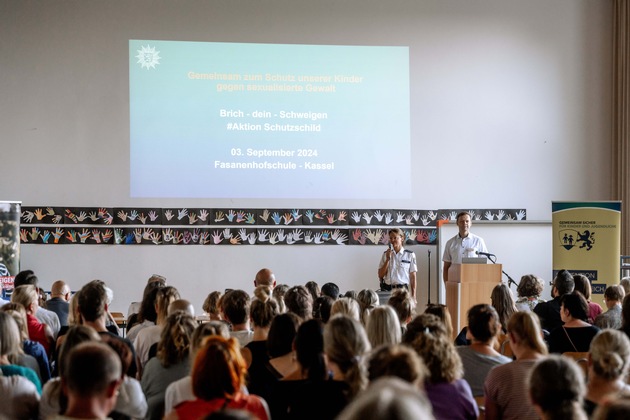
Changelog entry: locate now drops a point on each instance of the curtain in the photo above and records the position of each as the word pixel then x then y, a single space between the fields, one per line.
pixel 621 116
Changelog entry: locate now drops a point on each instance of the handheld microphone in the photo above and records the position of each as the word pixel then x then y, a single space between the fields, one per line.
pixel 485 254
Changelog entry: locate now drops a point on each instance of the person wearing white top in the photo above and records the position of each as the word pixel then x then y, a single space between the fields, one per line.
pixel 462 245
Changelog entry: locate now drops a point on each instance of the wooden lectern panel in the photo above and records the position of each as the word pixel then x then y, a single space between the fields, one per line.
pixel 475 285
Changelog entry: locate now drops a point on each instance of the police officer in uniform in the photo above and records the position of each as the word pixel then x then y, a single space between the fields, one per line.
pixel 398 265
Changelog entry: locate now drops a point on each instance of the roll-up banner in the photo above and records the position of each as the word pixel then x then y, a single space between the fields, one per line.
pixel 9 243
pixel 587 240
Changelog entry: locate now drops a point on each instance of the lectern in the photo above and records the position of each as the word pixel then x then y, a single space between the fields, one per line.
pixel 469 285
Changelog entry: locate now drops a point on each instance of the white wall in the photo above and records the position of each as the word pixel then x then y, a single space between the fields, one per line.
pixel 510 106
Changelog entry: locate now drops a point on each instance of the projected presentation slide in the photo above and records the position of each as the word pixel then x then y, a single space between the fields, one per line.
pixel 230 120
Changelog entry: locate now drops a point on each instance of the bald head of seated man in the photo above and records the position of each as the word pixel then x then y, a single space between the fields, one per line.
pixel 265 277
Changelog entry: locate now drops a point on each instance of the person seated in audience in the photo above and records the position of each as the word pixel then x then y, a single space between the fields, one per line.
pixel 529 290
pixel 345 345
pixel 313 289
pixel 389 398
pixel 265 277
pixel 625 283
pixel 91 379
pixel 404 305
pixel 352 294
pixel 211 306
pixel 322 307
pixel 480 356
pixel 280 344
pixel 235 307
pixel 331 290
pixel 613 296
pixel 20 399
pixel 32 353
pixel 147 314
pixel 155 281
pixel 262 311
pixel 151 335
pixel 502 300
pixel 549 312
pixel 171 363
pixel 346 306
pixel 9 349
pixel 130 403
pixel 92 306
pixel 511 402
pixel 59 301
pixel 556 388
pixel 625 315
pixel 27 297
pixel 614 408
pixel 441 311
pixel 368 301
pixel 218 378
pixel 399 361
pixel 74 318
pixel 583 285
pixel 576 334
pixel 299 302
pixel 293 396
pixel 181 390
pixel 278 294
pixel 608 359
pixel 43 315
pixel 449 393
pixel 383 327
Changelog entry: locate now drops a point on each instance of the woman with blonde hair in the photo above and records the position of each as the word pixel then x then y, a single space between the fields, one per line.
pixel 449 393
pixel 171 363
pixel 345 344
pixel 218 378
pixel 151 335
pixel 346 306
pixel 368 301
pixel 9 348
pixel 511 402
pixel 383 326
pixel 608 359
pixel 32 353
pixel 556 388
pixel 28 297
pixel 529 290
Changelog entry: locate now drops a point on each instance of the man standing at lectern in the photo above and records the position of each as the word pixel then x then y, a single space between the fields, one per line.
pixel 398 265
pixel 462 245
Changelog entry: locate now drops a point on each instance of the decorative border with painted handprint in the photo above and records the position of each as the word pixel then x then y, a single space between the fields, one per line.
pixel 138 216
pixel 184 226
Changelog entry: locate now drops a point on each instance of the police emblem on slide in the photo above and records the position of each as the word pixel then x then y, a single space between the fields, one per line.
pixel 148 57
